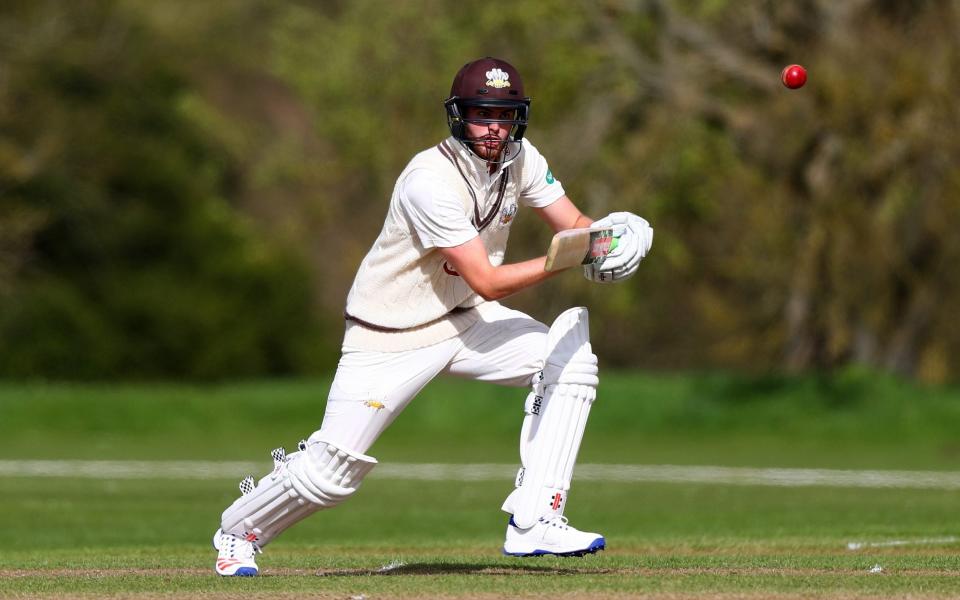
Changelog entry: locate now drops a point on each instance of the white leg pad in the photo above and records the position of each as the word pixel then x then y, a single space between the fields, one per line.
pixel 320 476
pixel 556 416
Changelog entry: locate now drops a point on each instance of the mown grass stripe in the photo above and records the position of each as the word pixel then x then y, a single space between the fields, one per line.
pixel 134 469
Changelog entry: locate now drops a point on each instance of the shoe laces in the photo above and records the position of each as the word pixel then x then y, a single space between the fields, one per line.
pixel 556 521
pixel 237 547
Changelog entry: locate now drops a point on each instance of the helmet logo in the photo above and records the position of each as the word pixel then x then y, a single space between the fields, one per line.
pixel 498 78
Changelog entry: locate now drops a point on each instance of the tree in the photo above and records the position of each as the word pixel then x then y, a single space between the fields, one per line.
pixel 133 262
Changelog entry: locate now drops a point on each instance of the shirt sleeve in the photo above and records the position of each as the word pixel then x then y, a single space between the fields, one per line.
pixel 437 215
pixel 539 187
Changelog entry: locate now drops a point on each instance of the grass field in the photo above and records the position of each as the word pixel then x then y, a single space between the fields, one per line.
pixel 148 536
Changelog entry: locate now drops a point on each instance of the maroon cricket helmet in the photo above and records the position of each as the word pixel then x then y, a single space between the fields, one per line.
pixel 490 82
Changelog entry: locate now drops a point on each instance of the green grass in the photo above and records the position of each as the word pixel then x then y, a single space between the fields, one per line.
pixel 90 537
pixel 855 420
pixel 662 537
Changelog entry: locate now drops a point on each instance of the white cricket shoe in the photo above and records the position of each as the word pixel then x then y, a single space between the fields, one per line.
pixel 236 557
pixel 551 535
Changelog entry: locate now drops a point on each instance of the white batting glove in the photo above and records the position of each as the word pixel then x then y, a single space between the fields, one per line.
pixel 634 238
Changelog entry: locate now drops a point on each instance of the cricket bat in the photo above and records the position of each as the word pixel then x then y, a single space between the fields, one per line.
pixel 573 247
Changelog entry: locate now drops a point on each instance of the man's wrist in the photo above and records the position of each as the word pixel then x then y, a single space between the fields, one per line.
pixel 582 222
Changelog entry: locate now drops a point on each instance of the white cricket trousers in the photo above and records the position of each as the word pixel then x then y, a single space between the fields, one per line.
pixel 371 388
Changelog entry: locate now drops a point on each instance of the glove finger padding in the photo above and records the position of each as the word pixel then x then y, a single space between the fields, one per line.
pixel 633 243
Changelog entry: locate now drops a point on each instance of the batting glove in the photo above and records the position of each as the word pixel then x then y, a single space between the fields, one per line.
pixel 634 238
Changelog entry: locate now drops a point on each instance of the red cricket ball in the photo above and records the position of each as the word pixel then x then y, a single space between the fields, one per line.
pixel 793 76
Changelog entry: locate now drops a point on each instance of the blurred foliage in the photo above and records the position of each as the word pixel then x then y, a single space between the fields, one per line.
pixel 188 188
pixel 137 264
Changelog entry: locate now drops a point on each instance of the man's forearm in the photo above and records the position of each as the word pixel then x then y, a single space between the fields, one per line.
pixel 509 279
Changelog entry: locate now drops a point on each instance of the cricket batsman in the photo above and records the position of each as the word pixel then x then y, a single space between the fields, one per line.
pixel 425 302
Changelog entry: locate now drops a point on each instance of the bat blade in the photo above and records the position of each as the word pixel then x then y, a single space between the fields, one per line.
pixel 573 247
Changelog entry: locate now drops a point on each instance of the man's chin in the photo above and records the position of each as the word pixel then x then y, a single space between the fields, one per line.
pixel 487 152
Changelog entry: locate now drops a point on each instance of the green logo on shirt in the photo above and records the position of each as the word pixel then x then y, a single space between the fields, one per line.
pixel 550 178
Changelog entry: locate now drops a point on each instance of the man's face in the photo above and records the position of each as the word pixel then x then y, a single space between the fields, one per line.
pixel 488 139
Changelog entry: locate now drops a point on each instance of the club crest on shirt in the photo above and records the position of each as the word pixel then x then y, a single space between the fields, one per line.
pixel 498 78
pixel 507 214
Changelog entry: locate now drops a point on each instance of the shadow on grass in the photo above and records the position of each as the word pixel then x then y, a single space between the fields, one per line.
pixel 433 569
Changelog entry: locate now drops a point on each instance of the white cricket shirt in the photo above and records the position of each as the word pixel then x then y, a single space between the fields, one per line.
pixel 405 295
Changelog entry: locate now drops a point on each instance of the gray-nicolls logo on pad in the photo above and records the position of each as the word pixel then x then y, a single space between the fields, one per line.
pixel 537 401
